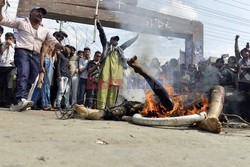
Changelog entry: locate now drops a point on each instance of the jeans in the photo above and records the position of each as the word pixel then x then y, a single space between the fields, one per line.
pixel 62 91
pixel 36 96
pixel 73 89
pixel 89 98
pixel 27 64
pixel 45 94
pixel 82 88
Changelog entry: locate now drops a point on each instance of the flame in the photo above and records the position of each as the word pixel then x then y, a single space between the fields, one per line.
pixel 205 104
pixel 154 109
pixel 150 102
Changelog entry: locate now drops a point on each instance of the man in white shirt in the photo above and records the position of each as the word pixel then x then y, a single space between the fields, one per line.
pixel 7 63
pixel 83 64
pixel 8 51
pixel 31 35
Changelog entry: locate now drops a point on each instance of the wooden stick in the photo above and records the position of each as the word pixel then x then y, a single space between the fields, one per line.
pixel 31 91
pixel 96 13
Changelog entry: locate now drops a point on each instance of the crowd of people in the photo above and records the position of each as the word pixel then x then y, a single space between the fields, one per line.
pixel 65 73
pixel 231 72
pixel 51 76
pixel 203 76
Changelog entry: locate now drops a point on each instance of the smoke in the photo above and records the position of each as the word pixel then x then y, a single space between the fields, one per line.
pixel 144 52
pixel 131 92
pixel 147 46
pixel 145 49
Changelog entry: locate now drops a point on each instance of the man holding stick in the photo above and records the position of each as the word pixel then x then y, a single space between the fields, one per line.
pixel 113 62
pixel 31 35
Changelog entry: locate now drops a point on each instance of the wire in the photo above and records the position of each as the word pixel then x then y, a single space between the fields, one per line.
pixel 237 116
pixel 89 39
pixel 241 3
pixel 225 3
pixel 210 14
pixel 224 27
pixel 215 26
pixel 224 34
pixel 216 36
pixel 70 111
pixel 212 24
pixel 74 28
pixel 208 23
pixel 215 11
pixel 82 35
pixel 215 39
pixel 211 27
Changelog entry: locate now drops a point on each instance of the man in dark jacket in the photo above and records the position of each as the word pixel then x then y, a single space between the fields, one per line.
pixel 63 73
pixel 93 68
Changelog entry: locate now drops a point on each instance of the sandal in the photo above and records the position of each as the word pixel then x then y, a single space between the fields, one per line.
pixel 48 109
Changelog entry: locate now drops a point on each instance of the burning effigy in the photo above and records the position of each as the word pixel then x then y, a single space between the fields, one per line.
pixel 172 109
pixel 164 107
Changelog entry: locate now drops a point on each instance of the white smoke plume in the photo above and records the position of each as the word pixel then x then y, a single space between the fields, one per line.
pixel 147 46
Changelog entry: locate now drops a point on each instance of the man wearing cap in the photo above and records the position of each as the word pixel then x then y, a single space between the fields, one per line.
pixel 113 62
pixel 31 35
pixel 60 35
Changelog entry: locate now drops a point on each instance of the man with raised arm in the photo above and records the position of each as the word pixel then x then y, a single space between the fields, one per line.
pixel 243 60
pixel 113 62
pixel 31 35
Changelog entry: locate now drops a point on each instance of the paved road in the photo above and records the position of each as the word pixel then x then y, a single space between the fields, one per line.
pixel 37 138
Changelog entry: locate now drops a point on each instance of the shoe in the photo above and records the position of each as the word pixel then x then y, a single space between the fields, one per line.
pixel 22 105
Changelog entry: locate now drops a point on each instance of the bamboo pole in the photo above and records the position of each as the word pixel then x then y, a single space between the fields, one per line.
pixel 95 24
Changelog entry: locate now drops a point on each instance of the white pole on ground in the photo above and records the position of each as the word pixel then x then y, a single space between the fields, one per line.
pixel 33 88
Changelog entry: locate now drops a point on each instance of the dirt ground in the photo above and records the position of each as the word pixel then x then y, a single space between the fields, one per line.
pixel 37 138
